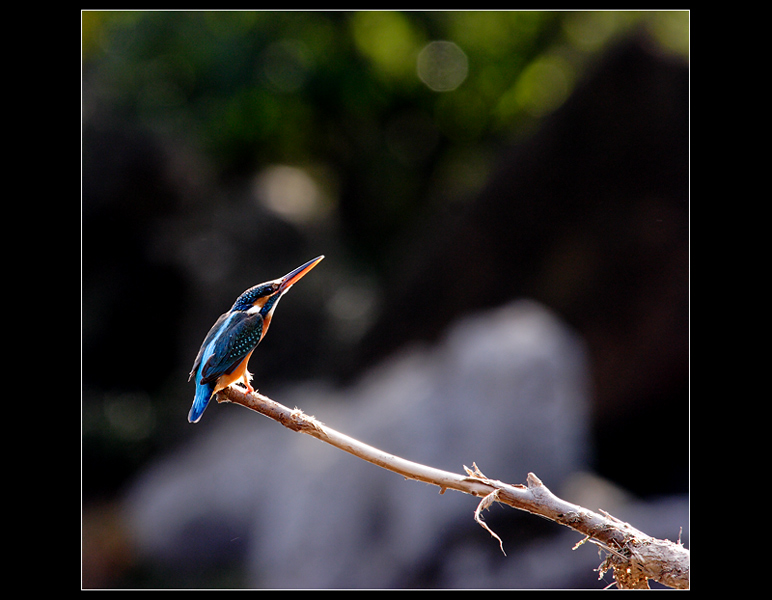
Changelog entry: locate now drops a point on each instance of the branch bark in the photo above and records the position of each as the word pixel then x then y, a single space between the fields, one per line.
pixel 633 556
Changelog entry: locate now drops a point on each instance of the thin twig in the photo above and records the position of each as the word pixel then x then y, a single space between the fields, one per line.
pixel 633 556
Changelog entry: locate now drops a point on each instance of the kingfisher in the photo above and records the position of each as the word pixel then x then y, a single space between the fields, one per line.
pixel 223 357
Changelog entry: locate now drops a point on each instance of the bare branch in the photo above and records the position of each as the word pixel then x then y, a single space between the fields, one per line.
pixel 633 556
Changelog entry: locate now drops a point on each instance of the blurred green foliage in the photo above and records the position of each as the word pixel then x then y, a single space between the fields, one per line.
pixel 339 91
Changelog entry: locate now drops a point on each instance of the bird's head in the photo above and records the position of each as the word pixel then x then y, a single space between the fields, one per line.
pixel 264 297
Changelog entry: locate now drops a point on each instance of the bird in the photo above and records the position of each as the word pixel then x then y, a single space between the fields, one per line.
pixel 226 350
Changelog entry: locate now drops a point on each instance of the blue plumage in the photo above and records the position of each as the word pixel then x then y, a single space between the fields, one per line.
pixel 223 356
pixel 201 401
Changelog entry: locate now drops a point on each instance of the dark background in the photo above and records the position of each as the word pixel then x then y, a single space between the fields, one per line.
pixel 221 149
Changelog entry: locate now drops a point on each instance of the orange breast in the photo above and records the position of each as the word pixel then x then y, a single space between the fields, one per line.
pixel 240 372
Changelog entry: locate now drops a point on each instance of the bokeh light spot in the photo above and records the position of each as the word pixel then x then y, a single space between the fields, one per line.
pixel 289 192
pixel 442 66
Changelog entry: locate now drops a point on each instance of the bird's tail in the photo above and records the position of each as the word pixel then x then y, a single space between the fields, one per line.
pixel 200 402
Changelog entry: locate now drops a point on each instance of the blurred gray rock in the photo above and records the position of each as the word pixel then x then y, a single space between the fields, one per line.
pixel 506 389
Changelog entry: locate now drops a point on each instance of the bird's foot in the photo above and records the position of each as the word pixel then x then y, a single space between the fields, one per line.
pixel 248 387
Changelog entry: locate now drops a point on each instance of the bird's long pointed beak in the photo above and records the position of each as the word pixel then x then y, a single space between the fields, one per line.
pixel 294 276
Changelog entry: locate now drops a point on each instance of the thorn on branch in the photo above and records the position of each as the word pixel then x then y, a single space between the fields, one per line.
pixel 533 481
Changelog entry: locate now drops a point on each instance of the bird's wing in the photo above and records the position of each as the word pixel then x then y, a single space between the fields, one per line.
pixel 212 332
pixel 232 344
